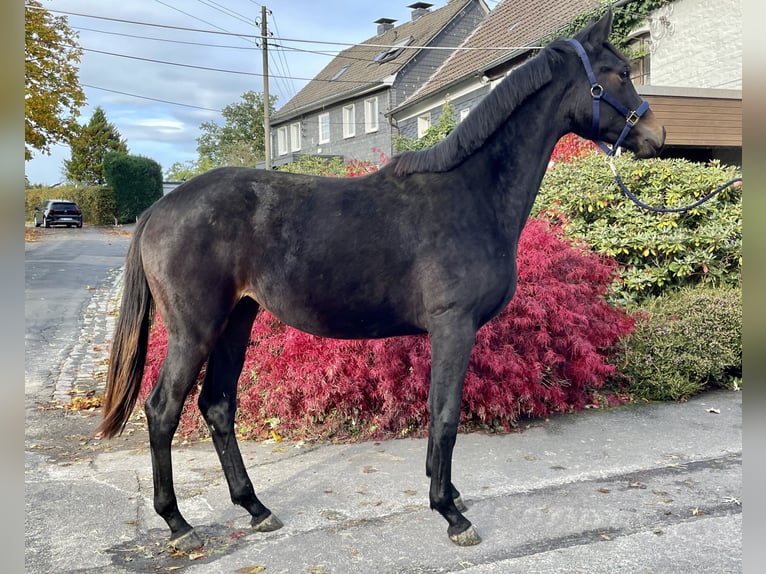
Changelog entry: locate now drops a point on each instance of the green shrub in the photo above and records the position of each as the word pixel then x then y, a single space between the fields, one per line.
pixel 657 252
pixel 687 341
pixel 96 202
pixel 136 182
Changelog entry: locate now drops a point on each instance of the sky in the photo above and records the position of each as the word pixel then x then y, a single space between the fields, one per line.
pixel 158 83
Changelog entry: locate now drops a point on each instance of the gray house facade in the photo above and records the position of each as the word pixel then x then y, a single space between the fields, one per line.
pixel 345 110
pixel 690 69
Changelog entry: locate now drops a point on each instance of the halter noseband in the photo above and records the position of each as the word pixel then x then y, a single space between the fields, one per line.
pixel 598 93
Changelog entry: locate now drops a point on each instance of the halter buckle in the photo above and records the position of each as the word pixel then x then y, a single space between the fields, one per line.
pixel 632 118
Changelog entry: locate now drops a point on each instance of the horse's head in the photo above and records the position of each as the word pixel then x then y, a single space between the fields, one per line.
pixel 606 105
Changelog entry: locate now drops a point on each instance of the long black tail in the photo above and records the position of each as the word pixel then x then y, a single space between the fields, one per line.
pixel 128 352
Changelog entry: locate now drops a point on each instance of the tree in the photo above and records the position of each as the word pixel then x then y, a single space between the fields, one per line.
pixel 90 146
pixel 52 95
pixel 240 141
pixel 181 171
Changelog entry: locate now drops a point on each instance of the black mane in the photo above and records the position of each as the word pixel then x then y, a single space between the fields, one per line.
pixel 491 113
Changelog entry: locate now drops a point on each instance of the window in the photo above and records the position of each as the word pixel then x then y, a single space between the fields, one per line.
pixel 639 49
pixel 424 122
pixel 295 136
pixel 324 128
pixel 349 126
pixel 339 73
pixel 464 114
pixel 371 115
pixel 282 141
pixel 390 53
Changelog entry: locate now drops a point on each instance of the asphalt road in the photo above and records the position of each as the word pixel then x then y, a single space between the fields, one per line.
pixel 646 488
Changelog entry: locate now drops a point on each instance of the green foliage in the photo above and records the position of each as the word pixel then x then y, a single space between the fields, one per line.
pixel 182 171
pixel 52 92
pixel 96 202
pixel 90 146
pixel 241 140
pixel 433 135
pixel 656 251
pixel 626 18
pixel 688 340
pixel 332 166
pixel 316 165
pixel 136 182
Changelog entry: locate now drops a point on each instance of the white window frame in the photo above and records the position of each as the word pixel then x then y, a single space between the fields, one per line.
pixel 295 136
pixel 424 122
pixel 349 121
pixel 324 137
pixel 282 140
pixel 371 115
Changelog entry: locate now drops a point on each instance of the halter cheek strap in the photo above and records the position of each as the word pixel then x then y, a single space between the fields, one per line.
pixel 598 93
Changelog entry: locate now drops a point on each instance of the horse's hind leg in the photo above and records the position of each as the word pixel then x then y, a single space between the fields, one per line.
pixel 163 412
pixel 218 404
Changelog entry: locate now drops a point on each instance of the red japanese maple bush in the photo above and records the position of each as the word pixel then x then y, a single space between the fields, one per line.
pixel 547 352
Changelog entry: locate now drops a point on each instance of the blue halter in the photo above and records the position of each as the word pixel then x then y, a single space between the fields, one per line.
pixel 598 93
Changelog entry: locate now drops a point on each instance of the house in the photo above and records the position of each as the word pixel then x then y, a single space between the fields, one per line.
pixel 688 65
pixel 342 111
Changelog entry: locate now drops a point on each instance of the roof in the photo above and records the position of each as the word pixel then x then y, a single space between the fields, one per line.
pixel 372 63
pixel 512 23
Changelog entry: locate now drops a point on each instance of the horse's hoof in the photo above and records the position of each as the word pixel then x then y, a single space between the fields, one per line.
pixel 268 524
pixel 186 542
pixel 460 505
pixel 469 537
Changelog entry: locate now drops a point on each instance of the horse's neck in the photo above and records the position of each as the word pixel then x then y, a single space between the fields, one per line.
pixel 517 155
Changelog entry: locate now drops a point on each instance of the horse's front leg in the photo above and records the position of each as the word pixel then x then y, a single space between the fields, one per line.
pixel 452 340
pixel 456 497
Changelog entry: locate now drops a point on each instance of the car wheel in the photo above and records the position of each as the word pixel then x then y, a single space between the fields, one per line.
pixel 46 223
pixel 79 225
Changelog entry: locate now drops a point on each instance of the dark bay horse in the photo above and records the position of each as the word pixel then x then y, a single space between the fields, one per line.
pixel 425 245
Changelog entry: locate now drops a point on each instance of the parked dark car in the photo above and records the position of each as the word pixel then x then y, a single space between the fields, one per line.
pixel 58 212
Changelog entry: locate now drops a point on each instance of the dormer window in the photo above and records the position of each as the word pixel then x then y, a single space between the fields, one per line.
pixel 390 53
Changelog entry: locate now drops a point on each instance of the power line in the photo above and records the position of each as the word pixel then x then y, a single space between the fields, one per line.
pixel 152 99
pixel 299 40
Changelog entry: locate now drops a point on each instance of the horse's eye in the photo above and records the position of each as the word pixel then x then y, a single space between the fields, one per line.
pixel 625 75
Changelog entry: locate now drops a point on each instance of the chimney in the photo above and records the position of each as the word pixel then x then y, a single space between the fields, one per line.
pixel 384 25
pixel 419 9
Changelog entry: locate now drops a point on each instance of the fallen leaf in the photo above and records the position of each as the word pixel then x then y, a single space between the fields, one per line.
pixel 196 555
pixel 410 492
pixel 250 570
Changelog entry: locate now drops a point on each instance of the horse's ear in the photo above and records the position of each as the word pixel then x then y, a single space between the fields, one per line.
pixel 597 33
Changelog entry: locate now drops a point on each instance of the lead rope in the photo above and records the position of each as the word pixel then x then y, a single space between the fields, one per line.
pixel 638 202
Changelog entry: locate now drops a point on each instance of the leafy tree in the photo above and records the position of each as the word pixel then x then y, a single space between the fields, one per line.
pixel 52 95
pixel 240 141
pixel 181 171
pixel 90 146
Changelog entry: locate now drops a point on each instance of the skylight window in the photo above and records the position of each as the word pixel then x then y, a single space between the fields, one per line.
pixel 340 72
pixel 392 52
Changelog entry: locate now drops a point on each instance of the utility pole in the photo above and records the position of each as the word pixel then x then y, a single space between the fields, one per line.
pixel 266 103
